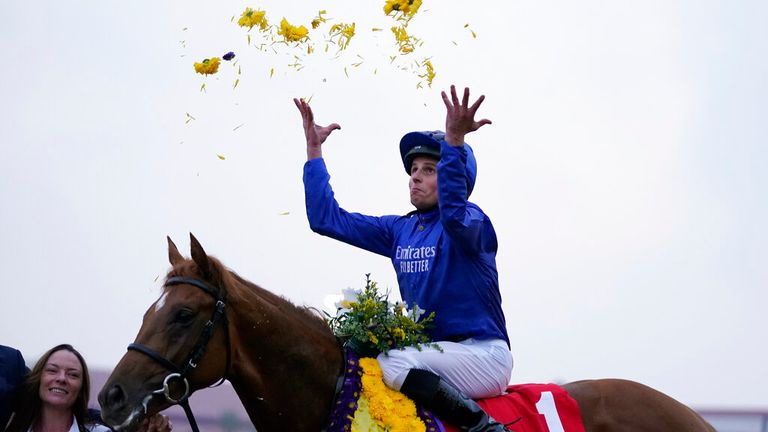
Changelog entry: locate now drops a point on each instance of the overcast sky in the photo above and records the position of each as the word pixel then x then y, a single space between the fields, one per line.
pixel 625 171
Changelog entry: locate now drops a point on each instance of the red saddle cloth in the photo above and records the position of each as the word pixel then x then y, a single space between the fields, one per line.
pixel 533 408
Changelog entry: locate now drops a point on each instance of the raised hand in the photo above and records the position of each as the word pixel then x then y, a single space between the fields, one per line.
pixel 316 135
pixel 460 116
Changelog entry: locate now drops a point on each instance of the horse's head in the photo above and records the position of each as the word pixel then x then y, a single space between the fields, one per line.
pixel 182 345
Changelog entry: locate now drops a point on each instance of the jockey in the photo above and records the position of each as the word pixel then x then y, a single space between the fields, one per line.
pixel 444 256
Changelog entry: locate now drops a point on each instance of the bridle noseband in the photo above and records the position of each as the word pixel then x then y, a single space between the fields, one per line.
pixel 197 352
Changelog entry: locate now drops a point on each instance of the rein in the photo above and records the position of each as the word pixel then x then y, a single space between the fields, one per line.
pixel 195 355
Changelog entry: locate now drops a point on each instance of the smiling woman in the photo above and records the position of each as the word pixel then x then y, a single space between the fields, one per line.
pixel 55 395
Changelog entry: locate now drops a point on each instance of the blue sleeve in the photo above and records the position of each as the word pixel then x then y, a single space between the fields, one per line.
pixel 325 217
pixel 464 222
pixel 12 374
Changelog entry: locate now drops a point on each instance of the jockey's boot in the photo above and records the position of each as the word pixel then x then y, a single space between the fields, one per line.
pixel 447 403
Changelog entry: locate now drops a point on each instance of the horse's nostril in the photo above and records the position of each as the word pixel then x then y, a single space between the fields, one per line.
pixel 115 396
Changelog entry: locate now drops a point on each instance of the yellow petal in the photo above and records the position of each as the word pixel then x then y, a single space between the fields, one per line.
pixel 285 213
pixel 220 156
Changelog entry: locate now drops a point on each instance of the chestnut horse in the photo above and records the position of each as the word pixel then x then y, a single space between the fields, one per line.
pixel 283 361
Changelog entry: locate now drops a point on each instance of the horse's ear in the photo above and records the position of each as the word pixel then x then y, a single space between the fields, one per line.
pixel 200 257
pixel 173 253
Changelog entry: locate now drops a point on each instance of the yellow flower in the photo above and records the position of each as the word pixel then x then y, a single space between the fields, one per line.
pixel 391 410
pixel 253 17
pixel 398 333
pixel 208 66
pixel 407 8
pixel 344 32
pixel 372 337
pixel 292 33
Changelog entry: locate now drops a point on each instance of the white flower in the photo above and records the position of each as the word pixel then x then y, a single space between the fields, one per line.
pixel 348 296
pixel 399 308
pixel 416 313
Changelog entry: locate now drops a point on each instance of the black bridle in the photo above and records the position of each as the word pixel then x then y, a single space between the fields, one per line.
pixel 197 352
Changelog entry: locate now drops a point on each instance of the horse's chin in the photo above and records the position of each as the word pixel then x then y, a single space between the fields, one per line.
pixel 131 422
pixel 134 418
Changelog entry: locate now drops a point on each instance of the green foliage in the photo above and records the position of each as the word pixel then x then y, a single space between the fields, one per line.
pixel 368 323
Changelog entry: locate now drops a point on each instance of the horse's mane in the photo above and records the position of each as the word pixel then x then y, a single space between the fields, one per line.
pixel 242 290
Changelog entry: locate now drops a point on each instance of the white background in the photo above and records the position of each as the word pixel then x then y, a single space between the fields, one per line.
pixel 625 171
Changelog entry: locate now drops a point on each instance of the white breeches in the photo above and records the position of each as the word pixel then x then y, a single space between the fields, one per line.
pixel 477 368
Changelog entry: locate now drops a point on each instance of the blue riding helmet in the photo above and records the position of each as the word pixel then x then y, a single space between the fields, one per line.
pixel 428 143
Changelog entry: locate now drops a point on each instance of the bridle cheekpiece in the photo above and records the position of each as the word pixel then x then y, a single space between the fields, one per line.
pixel 197 352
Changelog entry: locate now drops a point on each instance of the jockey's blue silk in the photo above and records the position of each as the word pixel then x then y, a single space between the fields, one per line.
pixel 445 258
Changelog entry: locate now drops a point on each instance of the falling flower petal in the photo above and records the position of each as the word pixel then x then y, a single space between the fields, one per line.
pixel 429 74
pixel 228 56
pixel 220 156
pixel 285 213
pixel 343 33
pixel 319 19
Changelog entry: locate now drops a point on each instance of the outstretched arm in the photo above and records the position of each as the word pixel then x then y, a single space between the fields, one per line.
pixel 466 224
pixel 316 135
pixel 460 117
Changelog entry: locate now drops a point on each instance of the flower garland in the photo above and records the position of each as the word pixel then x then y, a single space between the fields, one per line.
pixel 365 404
pixel 391 410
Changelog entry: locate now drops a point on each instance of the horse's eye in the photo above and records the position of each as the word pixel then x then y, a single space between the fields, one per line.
pixel 184 316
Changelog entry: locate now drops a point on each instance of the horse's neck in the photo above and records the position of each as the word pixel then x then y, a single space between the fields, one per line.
pixel 284 368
